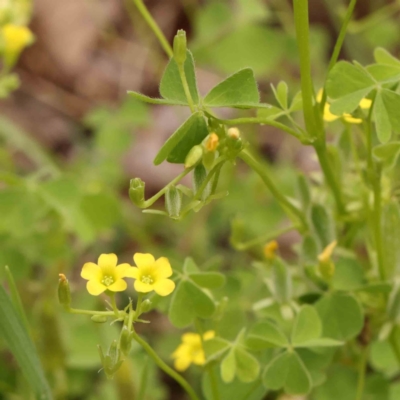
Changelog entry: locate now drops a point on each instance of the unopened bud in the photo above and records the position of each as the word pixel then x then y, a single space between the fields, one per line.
pixel 136 191
pixel 194 156
pixel 126 341
pixel 199 175
pixel 180 46
pixel 233 133
pixel 145 306
pixel 211 142
pixel 64 292
pixel 112 360
pixel 326 267
pixel 173 201
pixel 270 249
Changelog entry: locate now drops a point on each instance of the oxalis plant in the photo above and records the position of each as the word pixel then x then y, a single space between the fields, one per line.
pixel 338 303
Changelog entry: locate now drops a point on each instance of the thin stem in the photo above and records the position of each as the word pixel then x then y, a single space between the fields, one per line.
pixel 168 370
pixel 89 312
pixel 263 238
pixel 153 199
pixel 395 344
pixel 300 8
pixel 280 197
pixel 114 304
pixel 361 373
pixel 339 44
pixel 154 27
pixel 185 85
pixel 263 121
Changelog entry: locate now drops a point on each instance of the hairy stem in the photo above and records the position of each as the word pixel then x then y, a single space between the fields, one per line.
pixel 186 87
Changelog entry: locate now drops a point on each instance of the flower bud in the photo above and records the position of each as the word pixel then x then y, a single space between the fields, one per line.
pixel 112 360
pixel 99 318
pixel 326 267
pixel 64 292
pixel 199 175
pixel 173 201
pixel 126 341
pixel 270 249
pixel 211 142
pixel 180 46
pixel 136 191
pixel 194 156
pixel 233 133
pixel 145 306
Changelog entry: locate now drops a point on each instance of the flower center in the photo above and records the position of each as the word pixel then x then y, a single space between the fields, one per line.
pixel 148 279
pixel 107 280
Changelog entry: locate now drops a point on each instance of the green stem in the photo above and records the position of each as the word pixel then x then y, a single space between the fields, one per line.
pixel 89 312
pixel 241 246
pixel 263 121
pixel 153 199
pixel 114 304
pixel 300 8
pixel 394 343
pixel 361 373
pixel 280 197
pixel 185 85
pixel 154 27
pixel 168 370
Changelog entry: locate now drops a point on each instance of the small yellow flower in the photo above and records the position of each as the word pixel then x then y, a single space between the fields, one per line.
pixel 15 38
pixel 106 275
pixel 327 252
pixel 212 142
pixel 151 274
pixel 190 351
pixel 365 104
pixel 326 266
pixel 270 249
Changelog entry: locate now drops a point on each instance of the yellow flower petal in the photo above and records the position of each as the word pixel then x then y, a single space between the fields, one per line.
pixel 182 350
pixel 95 288
pixel 164 269
pixel 328 116
pixel 118 286
pixel 198 357
pixel 365 103
pixel 132 272
pixel 16 37
pixel 91 271
pixel 351 120
pixel 121 270
pixel 143 260
pixel 208 335
pixel 142 287
pixel 107 260
pixel 164 287
pixel 191 338
pixel 182 363
pixel 327 252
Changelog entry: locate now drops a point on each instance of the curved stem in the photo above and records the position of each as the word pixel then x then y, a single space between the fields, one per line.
pixel 361 373
pixel 154 27
pixel 280 197
pixel 185 85
pixel 168 370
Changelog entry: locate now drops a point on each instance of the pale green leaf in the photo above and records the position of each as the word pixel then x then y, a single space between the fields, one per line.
pixel 382 122
pixel 387 153
pixel 264 335
pixel 203 305
pixel 391 101
pixel 152 100
pixel 247 366
pixel 215 347
pixel 382 56
pixel 307 326
pixel 171 87
pixel 319 342
pixel 281 94
pixel 208 280
pixel 228 367
pixel 180 313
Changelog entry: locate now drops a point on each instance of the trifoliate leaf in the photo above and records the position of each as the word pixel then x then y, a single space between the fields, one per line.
pixel 264 335
pixel 307 326
pixel 247 366
pixel 228 367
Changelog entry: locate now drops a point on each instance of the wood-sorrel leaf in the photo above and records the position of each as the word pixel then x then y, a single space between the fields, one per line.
pixel 247 366
pixel 382 56
pixel 152 100
pixel 288 372
pixel 382 121
pixel 239 91
pixel 190 133
pixel 341 315
pixel 171 87
pixel 228 367
pixel 387 153
pixel 307 326
pixel 264 335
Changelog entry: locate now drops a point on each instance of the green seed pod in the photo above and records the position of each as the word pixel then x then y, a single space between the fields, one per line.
pixel 199 175
pixel 136 192
pixel 194 156
pixel 99 318
pixel 173 201
pixel 146 306
pixel 180 46
pixel 126 341
pixel 64 292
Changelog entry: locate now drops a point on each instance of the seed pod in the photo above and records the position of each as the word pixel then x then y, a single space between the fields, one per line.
pixel 180 46
pixel 64 292
pixel 99 318
pixel 136 191
pixel 173 201
pixel 194 156
pixel 126 341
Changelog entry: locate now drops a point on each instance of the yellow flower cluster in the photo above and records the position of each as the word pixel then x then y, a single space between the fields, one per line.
pixel 191 351
pixel 329 117
pixel 15 38
pixel 149 275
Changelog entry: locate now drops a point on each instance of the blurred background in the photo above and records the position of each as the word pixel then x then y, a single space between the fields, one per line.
pixel 71 138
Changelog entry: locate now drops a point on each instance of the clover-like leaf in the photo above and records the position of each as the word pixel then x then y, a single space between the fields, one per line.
pixel 307 326
pixel 178 145
pixel 153 100
pixel 180 314
pixel 228 367
pixel 215 347
pixel 382 56
pixel 208 280
pixel 202 303
pixel 288 372
pixel 264 335
pixel 387 153
pixel 247 366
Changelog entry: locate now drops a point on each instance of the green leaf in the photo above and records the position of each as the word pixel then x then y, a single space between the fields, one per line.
pixel 307 326
pixel 282 281
pixel 320 342
pixel 382 122
pixel 203 305
pixel 323 224
pixel 264 335
pixel 349 274
pixel 215 347
pixel 391 233
pixel 387 154
pixel 228 367
pixel 151 100
pixel 19 342
pixel 190 133
pixel 287 371
pixel 347 85
pixel 341 315
pixel 247 366
pixel 208 280
pixel 189 266
pixel 181 313
pixel 239 91
pixel 391 101
pixel 281 94
pixel 382 56
pixel 171 87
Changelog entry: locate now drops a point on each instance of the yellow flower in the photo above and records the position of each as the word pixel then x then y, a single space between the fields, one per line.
pixel 15 37
pixel 212 142
pixel 365 104
pixel 191 350
pixel 106 275
pixel 327 252
pixel 151 274
pixel 270 249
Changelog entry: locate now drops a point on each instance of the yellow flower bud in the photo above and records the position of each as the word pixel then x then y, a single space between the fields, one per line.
pixel 365 104
pixel 14 39
pixel 64 292
pixel 211 142
pixel 326 266
pixel 270 249
pixel 234 133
